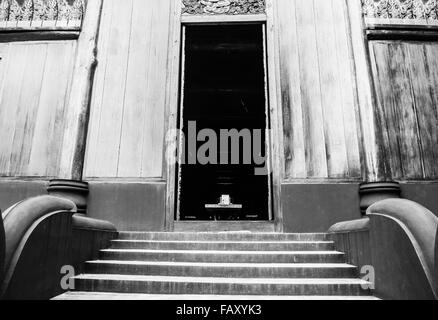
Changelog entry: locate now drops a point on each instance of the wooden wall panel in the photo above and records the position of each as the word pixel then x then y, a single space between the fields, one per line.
pixel 126 136
pixel 405 76
pixel 34 80
pixel 321 138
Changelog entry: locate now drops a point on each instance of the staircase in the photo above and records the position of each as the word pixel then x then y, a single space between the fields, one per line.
pixel 219 266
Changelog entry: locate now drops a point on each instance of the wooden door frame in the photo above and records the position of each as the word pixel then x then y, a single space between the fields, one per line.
pixel 173 105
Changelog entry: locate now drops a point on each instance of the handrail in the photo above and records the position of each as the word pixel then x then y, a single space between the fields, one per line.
pixel 421 226
pixel 19 218
pixel 349 226
pixel 85 223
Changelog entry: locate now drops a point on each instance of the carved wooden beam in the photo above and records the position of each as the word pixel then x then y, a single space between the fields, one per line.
pixel 73 148
pixel 400 13
pixel 37 14
pixel 401 9
pixel 221 7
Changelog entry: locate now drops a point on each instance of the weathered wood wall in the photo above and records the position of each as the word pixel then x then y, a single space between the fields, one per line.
pixel 34 82
pixel 406 80
pixel 321 137
pixel 126 137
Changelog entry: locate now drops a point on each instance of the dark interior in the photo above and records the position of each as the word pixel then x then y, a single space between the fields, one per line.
pixel 224 88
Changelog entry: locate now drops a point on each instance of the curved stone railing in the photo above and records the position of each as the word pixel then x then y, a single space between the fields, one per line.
pixel 30 227
pixel 89 237
pixel 404 245
pixel 35 14
pixel 352 237
pixel 41 236
pixel 399 240
pixel 21 217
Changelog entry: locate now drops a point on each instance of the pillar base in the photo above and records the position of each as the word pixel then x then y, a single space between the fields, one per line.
pixel 76 191
pixel 371 193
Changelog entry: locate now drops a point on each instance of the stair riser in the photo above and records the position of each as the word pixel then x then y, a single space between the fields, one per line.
pixel 227 272
pixel 224 258
pixel 151 287
pixel 235 246
pixel 221 237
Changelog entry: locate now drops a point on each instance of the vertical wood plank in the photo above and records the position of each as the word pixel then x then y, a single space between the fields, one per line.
pixel 294 148
pixel 49 122
pixel 380 63
pixel 346 85
pixel 136 103
pixel 423 91
pixel 152 155
pixel 114 91
pixel 331 98
pixel 374 168
pixel 316 156
pixel 28 108
pixel 405 113
pixel 128 109
pixel 4 58
pixel 432 61
pixel 96 109
pixel 4 62
pixel 14 75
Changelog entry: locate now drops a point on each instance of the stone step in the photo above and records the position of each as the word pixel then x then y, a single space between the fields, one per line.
pixel 227 270
pixel 224 245
pixel 224 256
pixel 222 236
pixel 87 296
pixel 212 286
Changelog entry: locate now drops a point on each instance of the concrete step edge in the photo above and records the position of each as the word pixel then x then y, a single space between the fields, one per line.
pixel 215 280
pixel 226 265
pixel 219 252
pixel 83 295
pixel 257 242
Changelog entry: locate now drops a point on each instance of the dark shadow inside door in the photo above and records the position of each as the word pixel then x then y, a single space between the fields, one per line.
pixel 224 91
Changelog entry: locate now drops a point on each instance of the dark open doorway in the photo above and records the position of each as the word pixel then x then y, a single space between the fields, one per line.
pixel 224 91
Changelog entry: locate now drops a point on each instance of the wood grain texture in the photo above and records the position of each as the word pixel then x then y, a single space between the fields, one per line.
pixel 34 80
pixel 318 91
pixel 405 75
pixel 126 138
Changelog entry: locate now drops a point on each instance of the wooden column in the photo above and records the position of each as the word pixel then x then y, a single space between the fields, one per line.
pixel 377 179
pixel 77 114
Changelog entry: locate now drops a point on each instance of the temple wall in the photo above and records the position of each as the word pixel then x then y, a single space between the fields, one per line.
pixel 34 86
pixel 127 120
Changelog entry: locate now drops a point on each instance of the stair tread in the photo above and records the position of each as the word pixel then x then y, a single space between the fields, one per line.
pixel 226 265
pixel 221 233
pixel 214 265
pixel 225 241
pixel 214 280
pixel 228 252
pixel 141 296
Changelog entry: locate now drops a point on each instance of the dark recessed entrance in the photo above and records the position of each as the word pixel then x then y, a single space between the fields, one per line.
pixel 224 106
